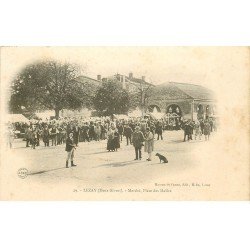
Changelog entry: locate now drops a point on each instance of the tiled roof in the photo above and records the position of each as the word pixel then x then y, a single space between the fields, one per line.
pixel 84 79
pixel 185 91
pixel 138 80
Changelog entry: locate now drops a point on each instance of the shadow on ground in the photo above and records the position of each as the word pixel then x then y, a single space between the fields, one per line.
pixel 45 171
pixel 119 164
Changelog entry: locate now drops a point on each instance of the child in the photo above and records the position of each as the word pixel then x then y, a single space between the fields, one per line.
pixel 197 130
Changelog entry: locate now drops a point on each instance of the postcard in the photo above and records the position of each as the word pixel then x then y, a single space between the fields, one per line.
pixel 124 123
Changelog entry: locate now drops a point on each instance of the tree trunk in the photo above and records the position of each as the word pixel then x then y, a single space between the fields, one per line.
pixel 57 113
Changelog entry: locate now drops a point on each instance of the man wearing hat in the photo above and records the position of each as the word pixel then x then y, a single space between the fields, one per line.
pixel 70 147
pixel 128 133
pixel 46 135
pixel 137 140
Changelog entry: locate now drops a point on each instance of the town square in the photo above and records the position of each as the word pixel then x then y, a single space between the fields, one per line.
pixel 77 127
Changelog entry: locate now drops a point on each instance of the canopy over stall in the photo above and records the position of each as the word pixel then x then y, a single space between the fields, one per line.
pixel 121 117
pixel 135 114
pixel 16 118
pixel 45 115
pixel 157 115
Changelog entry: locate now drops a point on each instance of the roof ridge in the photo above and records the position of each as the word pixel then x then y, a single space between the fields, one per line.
pixel 183 83
pixel 185 92
pixel 87 77
pixel 188 83
pixel 192 90
pixel 138 79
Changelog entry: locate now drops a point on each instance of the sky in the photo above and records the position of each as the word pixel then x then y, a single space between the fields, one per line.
pixel 218 68
pixel 225 70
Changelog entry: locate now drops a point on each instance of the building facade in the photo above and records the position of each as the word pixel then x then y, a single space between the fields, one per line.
pixel 185 100
pixel 130 83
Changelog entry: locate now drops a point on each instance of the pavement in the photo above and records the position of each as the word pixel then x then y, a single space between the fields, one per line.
pixel 96 165
pixel 196 170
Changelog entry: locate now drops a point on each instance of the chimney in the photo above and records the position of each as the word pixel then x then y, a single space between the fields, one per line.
pixel 130 75
pixel 123 82
pixel 99 77
pixel 143 78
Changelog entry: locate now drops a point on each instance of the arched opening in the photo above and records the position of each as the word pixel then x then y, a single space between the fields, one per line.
pixel 174 109
pixel 200 112
pixel 200 109
pixel 174 114
pixel 208 111
pixel 153 108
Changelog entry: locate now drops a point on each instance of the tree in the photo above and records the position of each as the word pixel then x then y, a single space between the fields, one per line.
pixel 141 97
pixel 47 85
pixel 111 99
pixel 144 94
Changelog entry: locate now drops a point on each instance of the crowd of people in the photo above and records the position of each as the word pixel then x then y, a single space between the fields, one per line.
pixel 55 132
pixel 137 132
pixel 198 128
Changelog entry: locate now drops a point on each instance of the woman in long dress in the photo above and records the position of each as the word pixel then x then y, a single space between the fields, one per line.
pixel 111 136
pixel 116 140
pixel 149 143
pixel 197 130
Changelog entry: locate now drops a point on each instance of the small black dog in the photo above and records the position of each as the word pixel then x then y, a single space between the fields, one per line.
pixel 162 158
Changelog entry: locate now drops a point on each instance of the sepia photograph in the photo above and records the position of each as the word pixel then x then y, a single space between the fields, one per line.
pixel 124 123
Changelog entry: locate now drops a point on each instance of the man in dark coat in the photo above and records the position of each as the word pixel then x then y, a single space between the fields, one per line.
pixel 137 140
pixel 28 132
pixel 91 131
pixel 191 125
pixel 207 129
pixel 39 133
pixel 59 135
pixel 211 124
pixel 187 130
pixel 33 138
pixel 70 129
pixel 85 131
pixel 70 147
pixel 76 134
pixel 132 125
pixel 46 135
pixel 128 133
pixel 152 128
pixel 158 130
pixel 53 134
pixel 120 130
pixel 103 132
pixel 202 126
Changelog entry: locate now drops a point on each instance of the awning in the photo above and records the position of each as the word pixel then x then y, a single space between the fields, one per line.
pixel 121 117
pixel 172 115
pixel 135 113
pixel 156 115
pixel 45 115
pixel 16 118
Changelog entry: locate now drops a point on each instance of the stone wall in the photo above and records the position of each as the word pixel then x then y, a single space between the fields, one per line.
pixel 163 104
